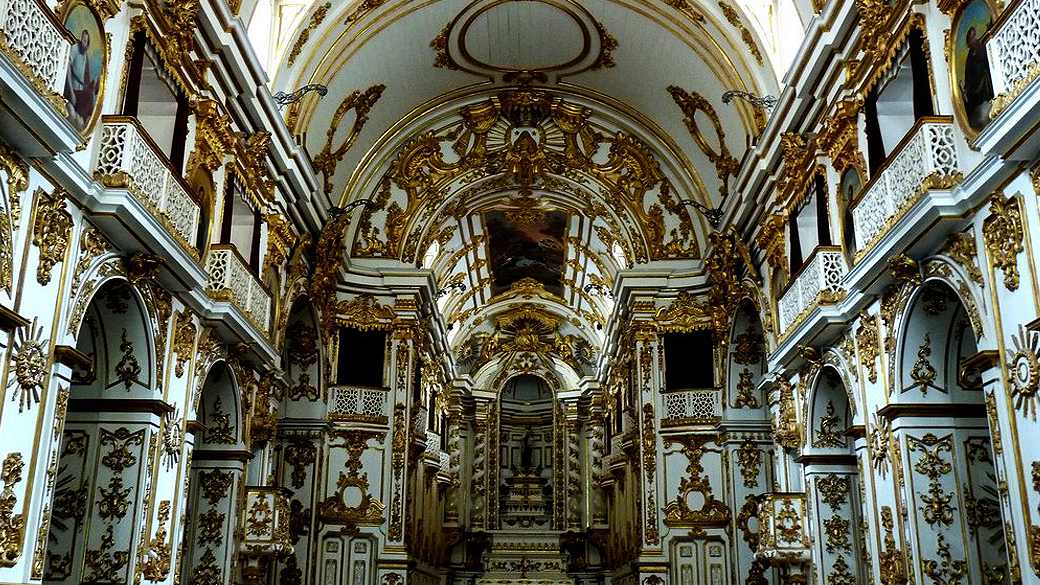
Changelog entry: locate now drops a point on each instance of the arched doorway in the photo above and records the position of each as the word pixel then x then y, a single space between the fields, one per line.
pixel 938 419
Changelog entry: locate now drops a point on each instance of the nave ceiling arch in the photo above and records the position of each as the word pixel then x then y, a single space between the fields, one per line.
pixel 468 133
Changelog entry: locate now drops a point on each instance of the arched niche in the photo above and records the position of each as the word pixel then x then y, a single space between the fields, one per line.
pixel 831 413
pixel 116 334
pixel 216 480
pixel 746 363
pixel 112 415
pixel 832 479
pixel 302 355
pixel 936 338
pixel 298 449
pixel 525 478
pixel 219 415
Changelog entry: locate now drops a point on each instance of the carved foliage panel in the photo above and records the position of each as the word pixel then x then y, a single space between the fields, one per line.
pixel 68 509
pixel 101 483
pixel 836 515
pixel 950 486
pixel 299 457
pixel 209 537
pixel 750 458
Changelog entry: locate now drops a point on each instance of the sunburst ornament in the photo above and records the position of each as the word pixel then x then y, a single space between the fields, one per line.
pixel 30 365
pixel 1024 371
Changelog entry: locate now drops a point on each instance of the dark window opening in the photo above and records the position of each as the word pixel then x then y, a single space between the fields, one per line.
pixel 689 360
pixel 901 98
pixel 360 358
pixel 240 224
pixel 809 226
pixel 154 98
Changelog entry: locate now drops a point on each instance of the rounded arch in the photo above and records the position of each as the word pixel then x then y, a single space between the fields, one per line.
pixel 302 356
pixel 295 293
pixel 220 409
pixel 830 411
pixel 115 329
pixel 746 363
pixel 967 288
pixel 935 335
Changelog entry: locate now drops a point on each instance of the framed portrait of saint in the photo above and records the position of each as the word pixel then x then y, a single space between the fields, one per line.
pixel 88 60
pixel 969 64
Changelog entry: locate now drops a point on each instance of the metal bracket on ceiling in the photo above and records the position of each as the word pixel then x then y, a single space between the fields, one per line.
pixel 283 99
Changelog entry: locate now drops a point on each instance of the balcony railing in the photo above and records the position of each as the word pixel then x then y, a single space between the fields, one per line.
pixel 1014 53
pixel 818 282
pixel 358 404
pixel 689 407
pixel 38 45
pixel 128 159
pixel 231 280
pixel 926 159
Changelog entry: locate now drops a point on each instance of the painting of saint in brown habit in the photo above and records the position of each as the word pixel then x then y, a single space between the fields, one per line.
pixel 528 249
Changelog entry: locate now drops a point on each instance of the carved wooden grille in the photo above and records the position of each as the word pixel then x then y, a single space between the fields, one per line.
pixel 32 36
pixel 126 156
pixel 231 280
pixel 929 155
pixel 823 274
pixel 358 403
pixel 691 406
pixel 1015 48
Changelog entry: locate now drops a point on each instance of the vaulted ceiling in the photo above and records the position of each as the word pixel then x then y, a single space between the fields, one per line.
pixel 525 150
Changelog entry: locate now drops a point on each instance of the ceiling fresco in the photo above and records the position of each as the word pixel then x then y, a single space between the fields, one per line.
pixel 521 247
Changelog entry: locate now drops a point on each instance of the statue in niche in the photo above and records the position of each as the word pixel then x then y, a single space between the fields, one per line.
pixel 526 452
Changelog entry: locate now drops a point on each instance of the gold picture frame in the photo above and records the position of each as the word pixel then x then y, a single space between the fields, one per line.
pixel 87 71
pixel 970 108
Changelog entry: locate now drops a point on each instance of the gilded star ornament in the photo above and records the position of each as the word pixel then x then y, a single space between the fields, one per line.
pixel 1023 370
pixel 30 365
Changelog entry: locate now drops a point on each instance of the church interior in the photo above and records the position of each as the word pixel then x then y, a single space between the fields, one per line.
pixel 519 292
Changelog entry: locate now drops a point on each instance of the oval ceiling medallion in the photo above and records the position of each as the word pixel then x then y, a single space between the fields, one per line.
pixel 505 36
pixel 508 37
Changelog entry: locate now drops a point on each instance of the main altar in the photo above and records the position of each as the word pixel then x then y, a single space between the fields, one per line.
pixel 525 557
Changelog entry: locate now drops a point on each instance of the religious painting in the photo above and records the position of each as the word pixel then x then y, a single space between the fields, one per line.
pixel 88 59
pixel 972 85
pixel 851 184
pixel 523 247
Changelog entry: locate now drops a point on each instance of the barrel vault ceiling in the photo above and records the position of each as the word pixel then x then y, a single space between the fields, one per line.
pixel 525 150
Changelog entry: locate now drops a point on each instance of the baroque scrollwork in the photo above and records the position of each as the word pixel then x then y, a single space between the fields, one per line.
pixel 678 512
pixel 619 187
pixel 749 457
pixel 691 103
pixel 335 509
pixel 52 231
pixel 360 103
pixel 12 526
pixel 868 342
pixel 1002 233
